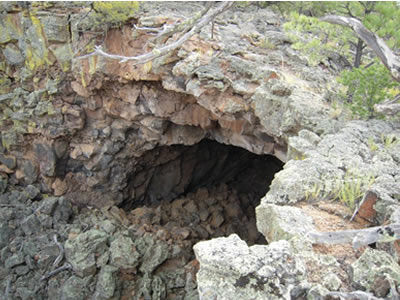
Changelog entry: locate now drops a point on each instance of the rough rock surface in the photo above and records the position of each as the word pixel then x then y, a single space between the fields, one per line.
pixel 360 150
pixel 96 134
pixel 376 271
pixel 89 126
pixel 232 270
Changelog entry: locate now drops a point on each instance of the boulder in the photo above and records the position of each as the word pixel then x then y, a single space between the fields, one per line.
pixel 83 250
pixel 154 253
pixel 8 160
pixel 282 222
pixel 75 288
pixel 123 253
pixel 229 269
pixel 106 283
pixel 376 271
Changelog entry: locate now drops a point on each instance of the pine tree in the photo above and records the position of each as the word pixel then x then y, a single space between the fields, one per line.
pixel 366 85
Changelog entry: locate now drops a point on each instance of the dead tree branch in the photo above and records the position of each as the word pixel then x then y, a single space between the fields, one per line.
pixel 385 54
pixel 64 267
pixel 158 52
pixel 388 107
pixel 180 28
pixel 61 255
pixel 359 237
pixel 57 261
pixel 357 295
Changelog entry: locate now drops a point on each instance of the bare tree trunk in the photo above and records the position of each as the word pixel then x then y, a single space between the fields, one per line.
pixel 359 51
pixel 385 54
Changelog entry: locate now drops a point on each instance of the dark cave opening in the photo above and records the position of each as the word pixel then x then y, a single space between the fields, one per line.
pixel 208 190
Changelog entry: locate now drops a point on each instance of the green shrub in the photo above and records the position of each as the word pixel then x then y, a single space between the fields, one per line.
pixel 366 87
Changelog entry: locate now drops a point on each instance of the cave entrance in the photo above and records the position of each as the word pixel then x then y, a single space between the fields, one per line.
pixel 200 192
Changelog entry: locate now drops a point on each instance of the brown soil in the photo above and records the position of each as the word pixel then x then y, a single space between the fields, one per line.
pixel 333 216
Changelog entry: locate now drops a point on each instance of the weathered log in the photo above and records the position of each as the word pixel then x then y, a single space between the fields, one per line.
pixel 358 237
pixel 389 109
pixel 357 295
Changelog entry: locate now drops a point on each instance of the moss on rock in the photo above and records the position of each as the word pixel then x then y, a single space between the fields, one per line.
pixel 115 12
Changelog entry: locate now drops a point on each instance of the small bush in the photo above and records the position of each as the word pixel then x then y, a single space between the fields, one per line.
pixel 367 87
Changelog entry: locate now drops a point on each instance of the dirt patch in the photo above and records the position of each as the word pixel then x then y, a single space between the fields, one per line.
pixel 333 216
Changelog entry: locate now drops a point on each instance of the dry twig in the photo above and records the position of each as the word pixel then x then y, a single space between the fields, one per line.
pixel 61 255
pixel 64 267
pixel 158 52
pixel 57 261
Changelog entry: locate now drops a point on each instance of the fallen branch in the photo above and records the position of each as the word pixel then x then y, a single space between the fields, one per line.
pixel 357 295
pixel 61 255
pixel 64 267
pixel 57 261
pixel 358 237
pixel 158 52
pixel 182 27
pixel 387 109
pixel 8 288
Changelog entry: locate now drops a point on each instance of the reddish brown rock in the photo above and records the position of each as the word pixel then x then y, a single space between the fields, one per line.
pixel 366 211
pixel 59 187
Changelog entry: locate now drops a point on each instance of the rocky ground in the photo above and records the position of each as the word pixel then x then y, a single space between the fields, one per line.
pixel 125 181
pixel 53 250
